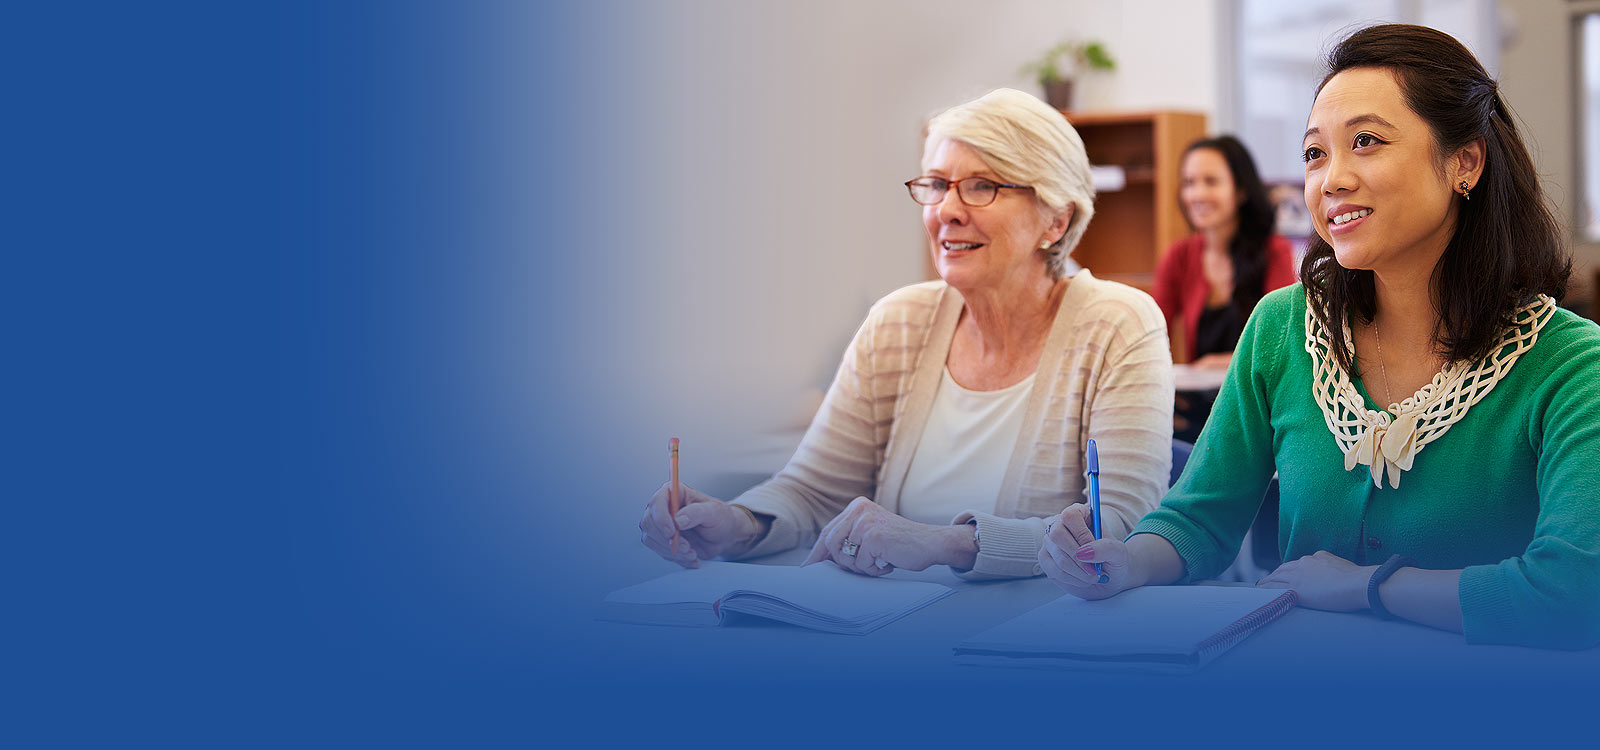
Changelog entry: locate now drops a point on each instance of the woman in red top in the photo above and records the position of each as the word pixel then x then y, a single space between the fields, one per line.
pixel 1213 278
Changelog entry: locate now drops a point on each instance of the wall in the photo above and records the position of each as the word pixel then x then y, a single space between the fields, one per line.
pixel 1536 80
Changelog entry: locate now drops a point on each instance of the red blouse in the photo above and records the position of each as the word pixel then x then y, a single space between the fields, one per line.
pixel 1181 288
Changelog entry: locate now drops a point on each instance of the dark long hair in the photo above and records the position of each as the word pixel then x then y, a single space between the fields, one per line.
pixel 1256 219
pixel 1507 246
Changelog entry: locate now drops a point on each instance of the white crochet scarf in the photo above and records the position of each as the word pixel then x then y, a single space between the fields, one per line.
pixel 1383 443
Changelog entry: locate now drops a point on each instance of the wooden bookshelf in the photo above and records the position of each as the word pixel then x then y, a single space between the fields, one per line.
pixel 1133 226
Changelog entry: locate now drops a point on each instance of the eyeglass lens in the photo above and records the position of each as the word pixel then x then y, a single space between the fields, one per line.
pixel 974 191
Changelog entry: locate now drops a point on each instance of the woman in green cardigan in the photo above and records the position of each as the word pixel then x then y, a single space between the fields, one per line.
pixel 1471 502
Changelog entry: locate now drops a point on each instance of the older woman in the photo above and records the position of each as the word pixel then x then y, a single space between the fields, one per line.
pixel 957 420
pixel 1433 416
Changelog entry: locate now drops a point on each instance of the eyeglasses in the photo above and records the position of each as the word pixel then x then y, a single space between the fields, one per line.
pixel 974 191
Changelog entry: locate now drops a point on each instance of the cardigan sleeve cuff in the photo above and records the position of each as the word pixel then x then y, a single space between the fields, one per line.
pixel 1487 612
pixel 1502 603
pixel 784 534
pixel 1197 555
pixel 1007 547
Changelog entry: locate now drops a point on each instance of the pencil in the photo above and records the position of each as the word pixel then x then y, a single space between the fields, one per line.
pixel 673 492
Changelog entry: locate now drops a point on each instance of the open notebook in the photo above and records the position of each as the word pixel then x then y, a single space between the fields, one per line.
pixel 1148 629
pixel 823 597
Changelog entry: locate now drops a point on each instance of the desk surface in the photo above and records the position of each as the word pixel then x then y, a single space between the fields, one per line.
pixel 1200 379
pixel 1338 647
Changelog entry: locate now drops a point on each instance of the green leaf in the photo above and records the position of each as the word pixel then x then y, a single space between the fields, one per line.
pixel 1095 54
pixel 1048 68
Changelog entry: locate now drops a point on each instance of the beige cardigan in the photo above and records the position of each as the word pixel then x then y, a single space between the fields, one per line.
pixel 1105 373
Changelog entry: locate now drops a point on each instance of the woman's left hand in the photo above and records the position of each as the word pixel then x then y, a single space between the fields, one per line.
pixel 869 540
pixel 1323 581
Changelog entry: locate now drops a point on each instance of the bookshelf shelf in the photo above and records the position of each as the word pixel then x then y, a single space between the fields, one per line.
pixel 1134 225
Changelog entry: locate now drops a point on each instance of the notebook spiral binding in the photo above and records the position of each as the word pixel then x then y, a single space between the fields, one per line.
pixel 1246 625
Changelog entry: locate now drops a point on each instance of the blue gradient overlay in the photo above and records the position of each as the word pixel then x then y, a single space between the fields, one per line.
pixel 349 337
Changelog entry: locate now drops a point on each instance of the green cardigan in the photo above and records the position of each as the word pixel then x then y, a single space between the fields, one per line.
pixel 1511 493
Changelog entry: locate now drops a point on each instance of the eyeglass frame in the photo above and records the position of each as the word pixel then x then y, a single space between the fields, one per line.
pixel 962 196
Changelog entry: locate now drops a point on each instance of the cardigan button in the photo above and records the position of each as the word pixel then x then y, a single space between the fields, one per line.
pixel 1373 543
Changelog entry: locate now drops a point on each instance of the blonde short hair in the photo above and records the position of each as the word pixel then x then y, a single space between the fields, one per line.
pixel 1025 141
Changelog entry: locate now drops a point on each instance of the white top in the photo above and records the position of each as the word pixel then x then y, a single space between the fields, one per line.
pixel 965 448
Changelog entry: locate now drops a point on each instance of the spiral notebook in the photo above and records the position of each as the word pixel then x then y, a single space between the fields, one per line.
pixel 821 597
pixel 1150 629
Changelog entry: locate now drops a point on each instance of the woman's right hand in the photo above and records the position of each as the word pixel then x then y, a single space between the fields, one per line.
pixel 1070 551
pixel 707 527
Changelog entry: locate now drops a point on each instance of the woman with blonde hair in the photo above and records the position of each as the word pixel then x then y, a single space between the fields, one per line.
pixel 956 422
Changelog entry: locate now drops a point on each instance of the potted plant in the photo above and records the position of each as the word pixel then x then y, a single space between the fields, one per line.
pixel 1062 63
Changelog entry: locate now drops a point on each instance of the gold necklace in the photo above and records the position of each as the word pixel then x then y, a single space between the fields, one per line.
pixel 1377 332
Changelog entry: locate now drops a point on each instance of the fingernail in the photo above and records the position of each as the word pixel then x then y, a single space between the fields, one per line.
pixel 682 519
pixel 1084 553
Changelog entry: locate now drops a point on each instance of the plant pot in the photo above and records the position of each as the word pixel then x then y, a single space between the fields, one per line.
pixel 1059 94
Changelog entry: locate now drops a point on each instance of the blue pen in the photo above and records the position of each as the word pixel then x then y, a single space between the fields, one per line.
pixel 1093 460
